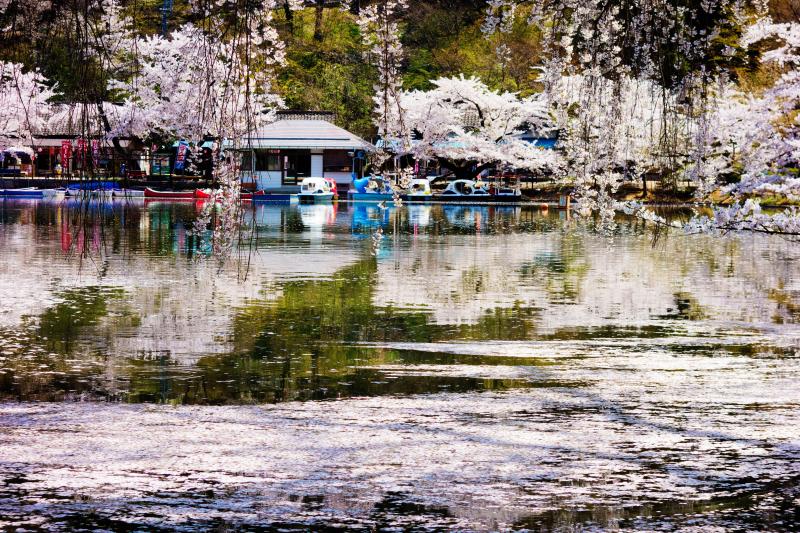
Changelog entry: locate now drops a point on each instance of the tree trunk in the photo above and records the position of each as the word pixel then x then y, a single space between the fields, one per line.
pixel 115 140
pixel 289 14
pixel 318 20
pixel 463 170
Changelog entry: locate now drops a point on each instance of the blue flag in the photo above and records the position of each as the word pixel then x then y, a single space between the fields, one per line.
pixel 180 159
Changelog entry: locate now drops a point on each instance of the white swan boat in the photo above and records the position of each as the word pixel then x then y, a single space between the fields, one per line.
pixel 315 191
pixel 469 191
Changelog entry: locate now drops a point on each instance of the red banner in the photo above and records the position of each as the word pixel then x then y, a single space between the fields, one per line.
pixel 80 147
pixel 95 152
pixel 66 154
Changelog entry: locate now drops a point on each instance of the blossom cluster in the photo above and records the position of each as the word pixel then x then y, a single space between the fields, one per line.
pixel 461 119
pixel 379 25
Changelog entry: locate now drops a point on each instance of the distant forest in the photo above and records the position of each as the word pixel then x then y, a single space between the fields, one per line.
pixel 325 68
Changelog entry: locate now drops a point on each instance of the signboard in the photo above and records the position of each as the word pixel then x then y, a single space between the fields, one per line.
pixel 180 159
pixel 95 152
pixel 66 154
pixel 80 147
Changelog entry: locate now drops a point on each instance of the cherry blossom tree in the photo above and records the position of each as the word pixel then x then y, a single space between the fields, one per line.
pixel 197 82
pixel 224 66
pixel 766 127
pixel 693 122
pixel 466 127
pixel 25 106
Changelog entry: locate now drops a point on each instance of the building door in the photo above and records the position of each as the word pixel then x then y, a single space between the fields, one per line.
pixel 297 165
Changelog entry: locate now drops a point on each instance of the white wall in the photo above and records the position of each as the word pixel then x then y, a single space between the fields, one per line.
pixel 343 179
pixel 316 165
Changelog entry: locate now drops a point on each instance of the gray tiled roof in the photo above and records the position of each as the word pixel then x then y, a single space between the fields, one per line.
pixel 78 119
pixel 307 134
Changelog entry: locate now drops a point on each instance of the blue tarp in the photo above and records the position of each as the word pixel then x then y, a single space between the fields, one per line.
pixel 94 186
pixel 547 144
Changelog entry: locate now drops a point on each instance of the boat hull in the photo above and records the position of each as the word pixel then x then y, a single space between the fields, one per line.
pixel 49 194
pixel 129 193
pixel 22 193
pixel 479 199
pixel 89 194
pixel 270 197
pixel 169 195
pixel 369 196
pixel 418 198
pixel 203 194
pixel 325 198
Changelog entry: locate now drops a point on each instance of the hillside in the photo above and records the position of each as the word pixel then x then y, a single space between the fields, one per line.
pixel 325 68
pixel 440 38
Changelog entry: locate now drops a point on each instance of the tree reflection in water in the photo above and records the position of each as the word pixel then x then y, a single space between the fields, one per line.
pixel 495 368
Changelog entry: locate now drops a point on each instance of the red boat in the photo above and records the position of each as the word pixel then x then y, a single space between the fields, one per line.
pixel 203 194
pixel 170 195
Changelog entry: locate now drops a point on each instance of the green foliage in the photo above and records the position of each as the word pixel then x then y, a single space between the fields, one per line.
pixel 440 37
pixel 80 308
pixel 504 61
pixel 330 75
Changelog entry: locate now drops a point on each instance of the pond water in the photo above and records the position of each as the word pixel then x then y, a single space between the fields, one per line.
pixel 481 368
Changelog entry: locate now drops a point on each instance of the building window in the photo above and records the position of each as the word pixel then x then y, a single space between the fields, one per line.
pixel 267 162
pixel 337 161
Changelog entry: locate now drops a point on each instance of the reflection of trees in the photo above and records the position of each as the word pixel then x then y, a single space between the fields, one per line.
pixel 787 308
pixel 561 271
pixel 60 325
pixel 307 343
pixel 95 227
pixel 52 357
pixel 305 339
pixel 686 307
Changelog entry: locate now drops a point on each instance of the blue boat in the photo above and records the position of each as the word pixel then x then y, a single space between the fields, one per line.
pixel 371 189
pixel 369 196
pixel 270 197
pixel 28 192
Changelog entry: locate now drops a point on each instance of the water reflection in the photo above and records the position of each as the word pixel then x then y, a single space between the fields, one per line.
pixel 161 327
pixel 547 376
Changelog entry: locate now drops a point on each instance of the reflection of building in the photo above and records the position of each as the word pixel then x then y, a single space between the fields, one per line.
pixel 300 145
